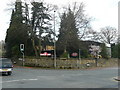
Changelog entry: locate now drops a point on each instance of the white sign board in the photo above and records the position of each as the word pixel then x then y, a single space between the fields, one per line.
pixel 22 47
pixel 95 50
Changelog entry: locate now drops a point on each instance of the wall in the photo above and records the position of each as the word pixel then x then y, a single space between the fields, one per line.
pixel 68 64
pixel 48 63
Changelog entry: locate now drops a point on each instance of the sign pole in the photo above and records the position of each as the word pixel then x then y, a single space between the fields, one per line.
pixel 23 59
pixel 22 51
pixel 79 57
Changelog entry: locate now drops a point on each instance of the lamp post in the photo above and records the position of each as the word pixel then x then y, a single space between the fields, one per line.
pixel 54 43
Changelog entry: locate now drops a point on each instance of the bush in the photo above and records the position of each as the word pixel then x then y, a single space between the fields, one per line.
pixel 103 52
pixel 64 55
pixel 84 53
pixel 118 50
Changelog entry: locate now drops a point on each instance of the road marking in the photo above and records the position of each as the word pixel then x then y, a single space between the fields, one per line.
pixel 19 80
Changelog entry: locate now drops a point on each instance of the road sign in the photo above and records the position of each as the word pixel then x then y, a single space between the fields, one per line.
pixel 22 51
pixel 95 50
pixel 74 54
pixel 22 47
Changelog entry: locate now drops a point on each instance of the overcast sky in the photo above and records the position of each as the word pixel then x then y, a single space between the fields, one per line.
pixel 104 12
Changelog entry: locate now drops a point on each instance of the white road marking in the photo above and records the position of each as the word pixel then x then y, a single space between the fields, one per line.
pixel 19 80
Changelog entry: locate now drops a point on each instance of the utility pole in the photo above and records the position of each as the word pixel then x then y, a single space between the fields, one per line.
pixel 54 43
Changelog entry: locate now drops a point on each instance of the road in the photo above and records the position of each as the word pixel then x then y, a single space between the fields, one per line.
pixel 42 78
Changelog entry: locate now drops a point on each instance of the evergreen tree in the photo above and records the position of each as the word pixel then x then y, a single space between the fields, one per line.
pixel 23 30
pixel 62 37
pixel 68 37
pixel 103 52
pixel 73 41
pixel 16 33
pixel 116 50
pixel 40 24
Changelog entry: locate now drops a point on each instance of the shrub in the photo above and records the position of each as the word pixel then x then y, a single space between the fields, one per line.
pixel 64 55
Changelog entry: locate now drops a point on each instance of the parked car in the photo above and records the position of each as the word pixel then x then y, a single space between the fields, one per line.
pixel 6 66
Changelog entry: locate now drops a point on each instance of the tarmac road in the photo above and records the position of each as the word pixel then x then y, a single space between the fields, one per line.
pixel 42 78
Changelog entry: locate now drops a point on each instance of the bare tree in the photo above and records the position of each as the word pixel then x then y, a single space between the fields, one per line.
pixel 107 35
pixel 81 19
pixel 118 38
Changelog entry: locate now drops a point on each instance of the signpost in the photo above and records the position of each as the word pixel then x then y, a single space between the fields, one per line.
pixel 95 50
pixel 22 51
pixel 79 57
pixel 74 54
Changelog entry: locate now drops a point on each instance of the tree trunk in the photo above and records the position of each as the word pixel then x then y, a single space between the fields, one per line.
pixel 33 43
pixel 39 46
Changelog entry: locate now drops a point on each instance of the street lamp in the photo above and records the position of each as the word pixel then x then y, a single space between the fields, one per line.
pixel 54 42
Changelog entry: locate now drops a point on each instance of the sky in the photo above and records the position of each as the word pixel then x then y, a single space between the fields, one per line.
pixel 103 12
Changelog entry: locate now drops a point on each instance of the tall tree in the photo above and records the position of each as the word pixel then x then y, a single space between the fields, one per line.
pixel 16 33
pixel 72 33
pixel 62 37
pixel 103 52
pixel 40 23
pixel 74 27
pixel 68 37
pixel 106 35
pixel 116 50
pixel 81 19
